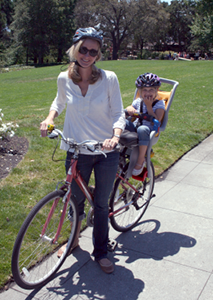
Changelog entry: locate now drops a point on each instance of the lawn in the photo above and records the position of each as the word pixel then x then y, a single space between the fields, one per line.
pixel 25 98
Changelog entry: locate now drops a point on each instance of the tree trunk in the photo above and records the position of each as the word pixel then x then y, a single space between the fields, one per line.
pixel 40 59
pixel 27 55
pixel 115 52
pixel 141 44
pixel 60 55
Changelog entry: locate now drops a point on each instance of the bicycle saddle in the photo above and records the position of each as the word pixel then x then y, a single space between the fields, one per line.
pixel 129 139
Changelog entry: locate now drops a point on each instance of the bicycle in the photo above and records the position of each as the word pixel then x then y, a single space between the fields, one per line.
pixel 34 258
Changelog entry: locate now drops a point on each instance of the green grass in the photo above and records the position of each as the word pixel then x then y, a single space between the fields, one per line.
pixel 25 97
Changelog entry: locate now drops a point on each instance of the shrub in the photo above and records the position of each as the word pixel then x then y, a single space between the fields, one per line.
pixel 6 129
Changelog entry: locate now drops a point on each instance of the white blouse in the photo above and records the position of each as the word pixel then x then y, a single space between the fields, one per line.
pixel 93 116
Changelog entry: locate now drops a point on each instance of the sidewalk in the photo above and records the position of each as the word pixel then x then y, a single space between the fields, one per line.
pixel 168 255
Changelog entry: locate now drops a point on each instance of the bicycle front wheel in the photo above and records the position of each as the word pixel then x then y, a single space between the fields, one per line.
pixel 34 258
pixel 128 205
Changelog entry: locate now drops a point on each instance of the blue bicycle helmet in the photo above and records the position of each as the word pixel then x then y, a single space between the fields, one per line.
pixel 147 80
pixel 89 32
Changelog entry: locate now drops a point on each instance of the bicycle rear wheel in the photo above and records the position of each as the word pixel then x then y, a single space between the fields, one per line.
pixel 34 258
pixel 127 205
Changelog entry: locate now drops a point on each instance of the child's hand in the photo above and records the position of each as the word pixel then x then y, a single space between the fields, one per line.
pixel 148 101
pixel 131 110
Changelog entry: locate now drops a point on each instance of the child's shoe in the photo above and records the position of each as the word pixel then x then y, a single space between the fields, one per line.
pixel 136 172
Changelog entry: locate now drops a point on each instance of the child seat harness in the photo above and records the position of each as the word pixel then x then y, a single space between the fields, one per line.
pixel 140 122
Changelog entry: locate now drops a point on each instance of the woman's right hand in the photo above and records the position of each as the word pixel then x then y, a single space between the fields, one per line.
pixel 43 127
pixel 49 120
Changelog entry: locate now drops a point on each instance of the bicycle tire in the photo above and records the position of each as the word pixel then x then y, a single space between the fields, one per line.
pixel 34 259
pixel 123 194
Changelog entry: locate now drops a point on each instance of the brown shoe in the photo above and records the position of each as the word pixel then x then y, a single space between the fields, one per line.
pixel 106 265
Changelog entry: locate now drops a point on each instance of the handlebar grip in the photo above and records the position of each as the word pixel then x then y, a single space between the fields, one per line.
pixel 140 116
pixel 50 127
pixel 146 117
pixel 126 113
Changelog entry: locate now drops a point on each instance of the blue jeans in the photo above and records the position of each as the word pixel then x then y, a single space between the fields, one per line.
pixel 105 171
pixel 143 132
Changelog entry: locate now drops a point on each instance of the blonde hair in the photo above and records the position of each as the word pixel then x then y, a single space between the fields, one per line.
pixel 73 69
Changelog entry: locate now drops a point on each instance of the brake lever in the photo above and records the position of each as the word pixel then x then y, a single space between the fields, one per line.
pixel 53 135
pixel 102 152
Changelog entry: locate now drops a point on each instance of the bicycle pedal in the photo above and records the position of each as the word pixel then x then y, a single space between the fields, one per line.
pixel 111 245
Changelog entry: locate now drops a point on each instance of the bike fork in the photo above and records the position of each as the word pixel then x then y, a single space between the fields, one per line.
pixel 65 200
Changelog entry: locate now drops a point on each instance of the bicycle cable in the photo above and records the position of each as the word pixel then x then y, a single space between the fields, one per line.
pixel 54 151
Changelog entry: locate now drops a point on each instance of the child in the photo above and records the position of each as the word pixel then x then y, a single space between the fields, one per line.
pixel 148 85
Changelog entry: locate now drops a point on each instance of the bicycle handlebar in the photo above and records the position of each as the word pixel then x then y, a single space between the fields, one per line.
pixel 91 145
pixel 146 117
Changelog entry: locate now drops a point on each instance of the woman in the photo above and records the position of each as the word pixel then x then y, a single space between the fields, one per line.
pixel 94 112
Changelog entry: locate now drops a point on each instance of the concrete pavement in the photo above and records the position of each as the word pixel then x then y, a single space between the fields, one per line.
pixel 168 255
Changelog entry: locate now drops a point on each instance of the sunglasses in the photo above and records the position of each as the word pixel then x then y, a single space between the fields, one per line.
pixel 92 52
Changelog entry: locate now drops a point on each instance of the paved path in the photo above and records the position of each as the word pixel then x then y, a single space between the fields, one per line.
pixel 168 256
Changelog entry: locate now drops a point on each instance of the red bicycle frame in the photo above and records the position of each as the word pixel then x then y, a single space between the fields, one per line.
pixel 73 173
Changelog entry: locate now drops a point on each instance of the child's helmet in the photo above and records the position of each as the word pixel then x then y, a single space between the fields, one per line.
pixel 147 80
pixel 89 32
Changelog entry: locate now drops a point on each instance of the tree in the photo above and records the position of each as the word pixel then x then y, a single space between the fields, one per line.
pixel 202 26
pixel 63 27
pixel 119 20
pixel 42 26
pixel 6 11
pixel 31 26
pixel 151 24
pixel 114 17
pixel 181 15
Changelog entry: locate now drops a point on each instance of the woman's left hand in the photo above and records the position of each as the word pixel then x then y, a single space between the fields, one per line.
pixel 110 144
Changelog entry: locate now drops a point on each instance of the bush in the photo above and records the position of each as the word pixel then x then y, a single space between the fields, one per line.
pixel 6 129
pixel 161 56
pixel 154 55
pixel 146 54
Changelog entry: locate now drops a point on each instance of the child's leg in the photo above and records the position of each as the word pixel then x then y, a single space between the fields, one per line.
pixel 130 126
pixel 144 137
pixel 141 157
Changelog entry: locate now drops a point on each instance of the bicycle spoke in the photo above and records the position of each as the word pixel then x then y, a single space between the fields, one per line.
pixel 129 201
pixel 34 259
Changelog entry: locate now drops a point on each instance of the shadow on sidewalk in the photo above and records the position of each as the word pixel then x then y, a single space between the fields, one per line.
pixel 146 240
pixel 90 282
pixel 85 280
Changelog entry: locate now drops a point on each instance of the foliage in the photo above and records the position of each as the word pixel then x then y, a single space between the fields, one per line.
pixel 153 14
pixel 6 11
pixel 123 21
pixel 6 129
pixel 114 17
pixel 128 25
pixel 202 30
pixel 31 29
pixel 202 26
pixel 181 14
pixel 35 35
